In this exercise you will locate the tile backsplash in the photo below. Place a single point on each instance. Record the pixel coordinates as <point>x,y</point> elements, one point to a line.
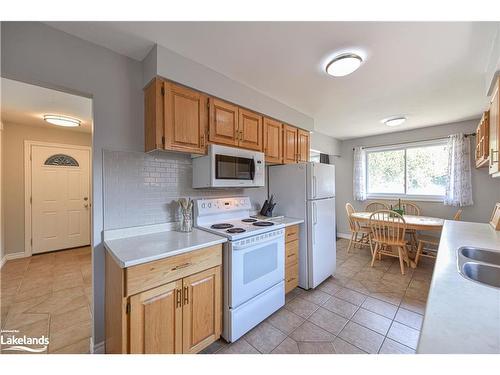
<point>142,189</point>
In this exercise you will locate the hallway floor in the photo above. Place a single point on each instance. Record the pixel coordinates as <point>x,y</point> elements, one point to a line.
<point>360,310</point>
<point>49,294</point>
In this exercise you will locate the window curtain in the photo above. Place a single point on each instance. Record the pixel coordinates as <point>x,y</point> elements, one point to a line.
<point>458,186</point>
<point>359,177</point>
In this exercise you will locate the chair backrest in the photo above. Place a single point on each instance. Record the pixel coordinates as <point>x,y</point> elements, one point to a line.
<point>411,208</point>
<point>387,227</point>
<point>458,215</point>
<point>353,225</point>
<point>376,206</point>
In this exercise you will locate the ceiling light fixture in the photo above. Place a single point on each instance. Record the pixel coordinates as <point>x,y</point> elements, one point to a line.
<point>62,120</point>
<point>394,121</point>
<point>344,64</point>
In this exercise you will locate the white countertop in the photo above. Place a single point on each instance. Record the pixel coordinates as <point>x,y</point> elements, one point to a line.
<point>461,316</point>
<point>133,246</point>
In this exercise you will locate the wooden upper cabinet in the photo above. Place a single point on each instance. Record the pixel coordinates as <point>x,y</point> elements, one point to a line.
<point>303,145</point>
<point>153,115</point>
<point>273,141</point>
<point>482,141</point>
<point>185,119</point>
<point>250,130</point>
<point>202,310</point>
<point>494,166</point>
<point>223,123</point>
<point>289,144</point>
<point>156,320</point>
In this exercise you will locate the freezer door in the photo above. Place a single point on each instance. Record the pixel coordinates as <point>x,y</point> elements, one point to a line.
<point>321,181</point>
<point>321,240</point>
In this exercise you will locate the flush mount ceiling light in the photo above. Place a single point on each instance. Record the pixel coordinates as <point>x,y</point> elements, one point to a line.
<point>62,120</point>
<point>394,121</point>
<point>344,64</point>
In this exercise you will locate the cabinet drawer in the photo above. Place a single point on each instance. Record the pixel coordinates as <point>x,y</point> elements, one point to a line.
<point>291,233</point>
<point>291,277</point>
<point>152,274</point>
<point>291,253</point>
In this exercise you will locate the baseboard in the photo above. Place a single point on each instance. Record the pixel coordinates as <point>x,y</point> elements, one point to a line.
<point>97,348</point>
<point>11,256</point>
<point>347,236</point>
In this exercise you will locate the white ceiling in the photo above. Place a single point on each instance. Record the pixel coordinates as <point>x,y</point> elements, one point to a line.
<point>434,73</point>
<point>26,104</point>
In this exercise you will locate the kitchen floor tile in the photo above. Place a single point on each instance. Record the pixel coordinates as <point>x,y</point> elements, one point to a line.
<point>289,346</point>
<point>239,347</point>
<point>414,305</point>
<point>301,307</point>
<point>311,332</point>
<point>343,347</point>
<point>316,296</point>
<point>362,337</point>
<point>330,286</point>
<point>316,348</point>
<point>340,307</point>
<point>265,337</point>
<point>375,322</point>
<point>404,335</point>
<point>328,320</point>
<point>409,318</point>
<point>393,347</point>
<point>285,320</point>
<point>351,296</point>
<point>380,307</point>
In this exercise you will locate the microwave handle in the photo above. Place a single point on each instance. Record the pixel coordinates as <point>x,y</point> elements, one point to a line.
<point>252,169</point>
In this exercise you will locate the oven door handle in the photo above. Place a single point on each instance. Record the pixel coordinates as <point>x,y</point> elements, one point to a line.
<point>254,244</point>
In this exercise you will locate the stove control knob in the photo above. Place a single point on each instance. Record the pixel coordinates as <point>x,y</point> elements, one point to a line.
<point>203,205</point>
<point>209,205</point>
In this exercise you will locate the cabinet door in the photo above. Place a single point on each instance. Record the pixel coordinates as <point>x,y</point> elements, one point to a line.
<point>250,130</point>
<point>202,310</point>
<point>156,320</point>
<point>303,145</point>
<point>273,141</point>
<point>223,123</point>
<point>289,144</point>
<point>185,119</point>
<point>153,115</point>
<point>494,130</point>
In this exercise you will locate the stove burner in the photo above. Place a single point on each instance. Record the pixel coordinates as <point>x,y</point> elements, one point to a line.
<point>263,224</point>
<point>222,226</point>
<point>236,230</point>
<point>249,220</point>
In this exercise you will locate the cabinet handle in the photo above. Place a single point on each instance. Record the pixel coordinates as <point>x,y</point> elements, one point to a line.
<point>293,278</point>
<point>290,255</point>
<point>202,141</point>
<point>186,295</point>
<point>180,266</point>
<point>179,297</point>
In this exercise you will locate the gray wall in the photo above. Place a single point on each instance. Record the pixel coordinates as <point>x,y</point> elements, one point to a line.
<point>166,63</point>
<point>36,53</point>
<point>142,189</point>
<point>486,190</point>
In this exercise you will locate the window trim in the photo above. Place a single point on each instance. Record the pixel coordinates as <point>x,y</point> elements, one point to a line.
<point>397,147</point>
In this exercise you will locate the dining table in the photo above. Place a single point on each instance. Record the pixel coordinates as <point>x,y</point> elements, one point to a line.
<point>422,223</point>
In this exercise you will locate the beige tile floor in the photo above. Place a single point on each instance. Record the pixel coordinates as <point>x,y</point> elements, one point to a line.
<point>49,294</point>
<point>360,310</point>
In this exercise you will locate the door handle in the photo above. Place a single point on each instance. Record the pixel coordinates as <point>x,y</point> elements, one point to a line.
<point>179,297</point>
<point>315,186</point>
<point>186,295</point>
<point>86,205</point>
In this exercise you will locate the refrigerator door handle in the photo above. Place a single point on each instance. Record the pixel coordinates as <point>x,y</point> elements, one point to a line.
<point>315,187</point>
<point>315,221</point>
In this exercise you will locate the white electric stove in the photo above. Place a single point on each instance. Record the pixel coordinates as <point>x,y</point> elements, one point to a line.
<point>253,260</point>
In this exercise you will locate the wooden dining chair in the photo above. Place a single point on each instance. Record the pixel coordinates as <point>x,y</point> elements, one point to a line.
<point>411,208</point>
<point>388,234</point>
<point>360,235</point>
<point>428,245</point>
<point>376,206</point>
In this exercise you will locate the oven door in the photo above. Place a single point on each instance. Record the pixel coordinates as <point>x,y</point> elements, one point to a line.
<point>255,266</point>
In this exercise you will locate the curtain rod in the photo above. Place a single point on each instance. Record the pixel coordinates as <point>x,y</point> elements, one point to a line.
<point>423,140</point>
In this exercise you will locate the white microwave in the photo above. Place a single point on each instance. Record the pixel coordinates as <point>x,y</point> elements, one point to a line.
<point>226,167</point>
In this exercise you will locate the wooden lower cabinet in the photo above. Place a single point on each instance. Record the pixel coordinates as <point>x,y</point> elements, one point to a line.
<point>181,315</point>
<point>291,258</point>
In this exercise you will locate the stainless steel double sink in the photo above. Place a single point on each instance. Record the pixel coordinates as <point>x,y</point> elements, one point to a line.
<point>480,265</point>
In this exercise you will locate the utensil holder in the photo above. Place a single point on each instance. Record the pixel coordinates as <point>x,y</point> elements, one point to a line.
<point>186,224</point>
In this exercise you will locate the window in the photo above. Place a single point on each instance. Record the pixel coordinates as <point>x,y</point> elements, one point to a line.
<point>413,171</point>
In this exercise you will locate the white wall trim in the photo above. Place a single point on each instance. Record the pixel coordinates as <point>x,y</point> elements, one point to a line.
<point>347,236</point>
<point>11,256</point>
<point>27,186</point>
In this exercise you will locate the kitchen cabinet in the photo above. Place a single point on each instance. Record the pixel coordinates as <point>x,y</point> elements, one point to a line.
<point>172,305</point>
<point>482,141</point>
<point>175,118</point>
<point>494,136</point>
<point>303,145</point>
<point>250,130</point>
<point>223,123</point>
<point>273,141</point>
<point>289,144</point>
<point>291,257</point>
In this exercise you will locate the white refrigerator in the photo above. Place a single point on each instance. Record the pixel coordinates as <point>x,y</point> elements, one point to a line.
<point>307,191</point>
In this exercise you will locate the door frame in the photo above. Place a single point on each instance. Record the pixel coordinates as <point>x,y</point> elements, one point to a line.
<point>28,188</point>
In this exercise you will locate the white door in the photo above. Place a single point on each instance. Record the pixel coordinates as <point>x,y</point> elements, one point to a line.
<point>322,248</point>
<point>60,209</point>
<point>321,180</point>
